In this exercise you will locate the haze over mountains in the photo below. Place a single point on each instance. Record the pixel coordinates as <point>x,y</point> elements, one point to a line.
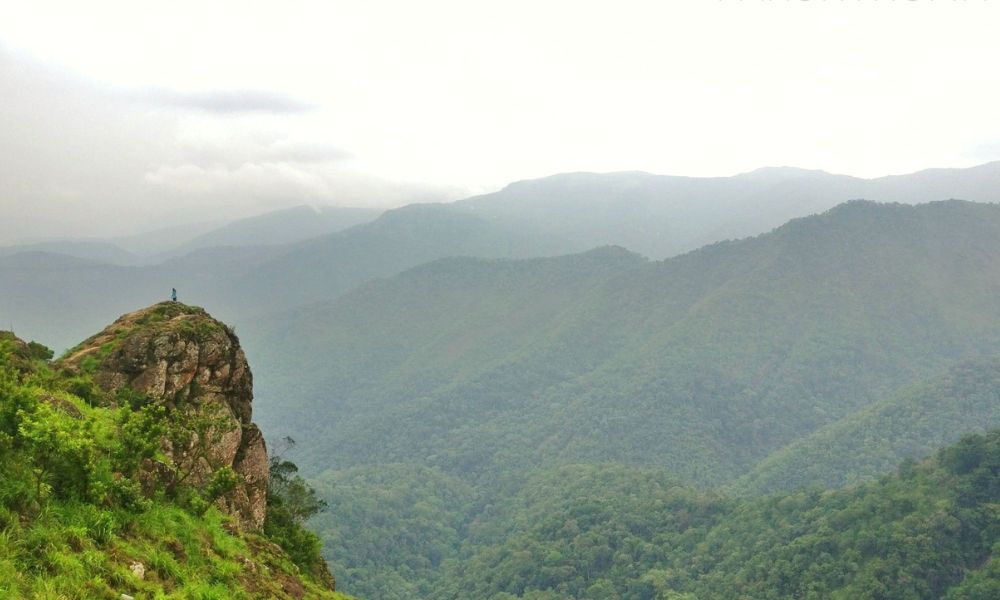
<point>602,366</point>
<point>660,216</point>
<point>703,364</point>
<point>272,228</point>
<point>653,215</point>
<point>824,352</point>
<point>278,227</point>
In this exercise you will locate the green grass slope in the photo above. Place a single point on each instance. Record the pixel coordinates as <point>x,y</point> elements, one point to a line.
<point>78,521</point>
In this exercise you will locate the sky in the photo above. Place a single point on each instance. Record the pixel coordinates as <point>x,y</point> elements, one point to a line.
<point>118,117</point>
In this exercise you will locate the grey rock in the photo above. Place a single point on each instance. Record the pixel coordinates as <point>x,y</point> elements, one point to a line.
<point>182,357</point>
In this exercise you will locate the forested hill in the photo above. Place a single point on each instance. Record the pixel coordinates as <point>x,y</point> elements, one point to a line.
<point>704,364</point>
<point>611,531</point>
<point>928,532</point>
<point>908,424</point>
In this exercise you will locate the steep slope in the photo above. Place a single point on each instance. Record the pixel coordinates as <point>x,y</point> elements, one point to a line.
<point>425,329</point>
<point>909,424</point>
<point>704,364</point>
<point>131,466</point>
<point>180,356</point>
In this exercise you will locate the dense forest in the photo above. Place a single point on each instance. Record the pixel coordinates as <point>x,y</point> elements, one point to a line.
<point>822,354</point>
<point>759,418</point>
<point>704,365</point>
<point>927,531</point>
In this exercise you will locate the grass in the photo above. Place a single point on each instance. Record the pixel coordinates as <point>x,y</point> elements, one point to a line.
<point>67,552</point>
<point>71,525</point>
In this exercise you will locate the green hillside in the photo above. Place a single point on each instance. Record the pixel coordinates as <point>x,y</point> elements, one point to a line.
<point>394,532</point>
<point>704,364</point>
<point>930,531</point>
<point>548,427</point>
<point>231,268</point>
<point>602,531</point>
<point>909,424</point>
<point>729,366</point>
<point>95,505</point>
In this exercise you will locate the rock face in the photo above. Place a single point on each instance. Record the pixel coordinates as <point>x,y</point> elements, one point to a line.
<point>180,356</point>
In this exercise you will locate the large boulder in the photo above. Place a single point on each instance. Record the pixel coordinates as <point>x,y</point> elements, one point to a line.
<point>180,356</point>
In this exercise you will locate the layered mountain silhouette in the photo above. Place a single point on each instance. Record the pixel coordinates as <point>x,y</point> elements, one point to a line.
<point>243,269</point>
<point>704,364</point>
<point>561,368</point>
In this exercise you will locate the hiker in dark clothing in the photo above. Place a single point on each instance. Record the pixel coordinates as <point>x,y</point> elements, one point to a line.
<point>173,294</point>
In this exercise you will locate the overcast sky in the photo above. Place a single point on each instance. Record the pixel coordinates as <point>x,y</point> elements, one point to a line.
<point>118,116</point>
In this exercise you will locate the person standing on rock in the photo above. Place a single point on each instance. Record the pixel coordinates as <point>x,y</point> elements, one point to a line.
<point>173,294</point>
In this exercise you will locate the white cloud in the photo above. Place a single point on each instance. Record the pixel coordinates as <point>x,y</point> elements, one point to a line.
<point>476,94</point>
<point>269,180</point>
<point>80,158</point>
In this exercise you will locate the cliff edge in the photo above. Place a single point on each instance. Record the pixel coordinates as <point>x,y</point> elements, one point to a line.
<point>181,357</point>
<point>132,468</point>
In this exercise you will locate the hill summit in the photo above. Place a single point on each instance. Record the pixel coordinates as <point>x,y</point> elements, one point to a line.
<point>180,356</point>
<point>132,468</point>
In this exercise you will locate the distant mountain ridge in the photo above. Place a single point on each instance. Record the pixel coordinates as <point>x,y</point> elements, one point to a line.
<point>563,214</point>
<point>661,216</point>
<point>703,364</point>
<point>285,226</point>
<point>104,252</point>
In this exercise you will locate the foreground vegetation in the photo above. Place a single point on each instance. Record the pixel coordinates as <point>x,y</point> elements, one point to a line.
<point>79,520</point>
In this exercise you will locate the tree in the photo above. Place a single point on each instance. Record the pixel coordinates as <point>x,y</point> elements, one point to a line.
<point>290,503</point>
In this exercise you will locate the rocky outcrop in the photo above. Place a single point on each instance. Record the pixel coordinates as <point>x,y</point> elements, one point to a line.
<point>180,356</point>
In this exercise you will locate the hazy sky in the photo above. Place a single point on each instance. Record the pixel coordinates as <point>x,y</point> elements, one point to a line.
<point>116,116</point>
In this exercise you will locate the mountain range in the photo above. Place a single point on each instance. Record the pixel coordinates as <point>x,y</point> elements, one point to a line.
<point>244,270</point>
<point>703,364</point>
<point>603,385</point>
